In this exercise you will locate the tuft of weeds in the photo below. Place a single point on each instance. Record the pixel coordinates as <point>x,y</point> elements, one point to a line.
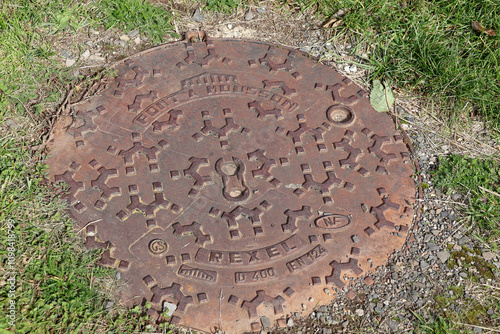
<point>479,180</point>
<point>437,325</point>
<point>430,47</point>
<point>32,76</point>
<point>222,6</point>
<point>128,15</point>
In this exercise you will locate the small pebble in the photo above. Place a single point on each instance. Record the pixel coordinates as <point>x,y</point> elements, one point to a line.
<point>360,312</point>
<point>70,62</point>
<point>424,265</point>
<point>197,17</point>
<point>230,26</point>
<point>289,323</point>
<point>86,54</point>
<point>96,58</point>
<point>65,54</point>
<point>261,10</point>
<point>249,15</point>
<point>266,323</point>
<point>488,256</point>
<point>443,256</point>
<point>169,308</point>
<point>137,40</point>
<point>133,33</point>
<point>125,38</point>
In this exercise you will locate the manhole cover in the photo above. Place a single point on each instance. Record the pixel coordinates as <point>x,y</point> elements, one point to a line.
<point>237,180</point>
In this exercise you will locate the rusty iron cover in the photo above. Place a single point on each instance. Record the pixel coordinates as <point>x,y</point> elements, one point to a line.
<point>235,179</point>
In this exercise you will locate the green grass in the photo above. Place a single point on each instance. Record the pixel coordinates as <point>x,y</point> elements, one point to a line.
<point>438,325</point>
<point>29,28</point>
<point>479,180</point>
<point>428,47</point>
<point>223,6</point>
<point>152,20</point>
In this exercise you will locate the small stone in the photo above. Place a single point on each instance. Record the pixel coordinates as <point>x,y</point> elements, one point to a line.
<point>488,256</point>
<point>123,44</point>
<point>95,32</point>
<point>118,275</point>
<point>65,54</point>
<point>490,311</point>
<point>96,58</point>
<point>419,285</point>
<point>108,305</point>
<point>456,196</point>
<point>393,325</point>
<point>266,323</point>
<point>355,239</point>
<point>197,17</point>
<point>249,15</point>
<point>261,10</point>
<point>323,308</point>
<point>432,246</point>
<point>463,275</point>
<point>86,54</point>
<point>230,26</point>
<point>137,40</point>
<point>70,62</point>
<point>360,312</point>
<point>478,330</point>
<point>125,38</point>
<point>327,291</point>
<point>443,256</point>
<point>289,323</point>
<point>424,265</point>
<point>169,308</point>
<point>354,68</point>
<point>311,299</point>
<point>133,33</point>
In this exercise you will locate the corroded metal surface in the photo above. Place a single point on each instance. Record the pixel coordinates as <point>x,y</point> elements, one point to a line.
<point>235,179</point>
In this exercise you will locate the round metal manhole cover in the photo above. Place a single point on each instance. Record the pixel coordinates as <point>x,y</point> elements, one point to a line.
<point>235,179</point>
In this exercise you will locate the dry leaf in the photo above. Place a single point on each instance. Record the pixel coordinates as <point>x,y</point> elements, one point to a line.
<point>333,23</point>
<point>490,32</point>
<point>478,27</point>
